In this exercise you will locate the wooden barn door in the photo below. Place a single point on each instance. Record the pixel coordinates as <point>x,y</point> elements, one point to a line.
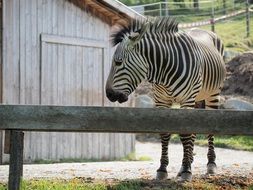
<point>72,71</point>
<point>71,74</point>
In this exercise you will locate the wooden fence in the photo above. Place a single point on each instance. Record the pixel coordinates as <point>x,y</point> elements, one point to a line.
<point>18,118</point>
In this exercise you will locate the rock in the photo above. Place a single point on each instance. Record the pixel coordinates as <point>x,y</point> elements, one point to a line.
<point>228,55</point>
<point>237,104</point>
<point>144,101</point>
<point>145,88</point>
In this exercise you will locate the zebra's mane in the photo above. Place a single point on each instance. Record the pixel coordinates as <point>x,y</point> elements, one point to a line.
<point>157,25</point>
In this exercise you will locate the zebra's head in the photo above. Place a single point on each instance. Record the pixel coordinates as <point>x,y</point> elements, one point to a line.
<point>128,67</point>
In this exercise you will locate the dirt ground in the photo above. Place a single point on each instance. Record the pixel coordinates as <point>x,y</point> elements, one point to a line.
<point>239,80</point>
<point>235,168</point>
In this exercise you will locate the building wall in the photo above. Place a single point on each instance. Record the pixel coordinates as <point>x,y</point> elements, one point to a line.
<point>55,53</point>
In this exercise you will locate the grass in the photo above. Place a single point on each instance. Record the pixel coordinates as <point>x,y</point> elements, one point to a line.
<point>232,142</point>
<point>73,184</point>
<point>144,158</point>
<point>76,184</point>
<point>233,34</point>
<point>231,31</point>
<point>199,182</point>
<point>133,157</point>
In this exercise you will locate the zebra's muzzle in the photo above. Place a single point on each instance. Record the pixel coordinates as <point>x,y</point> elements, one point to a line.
<point>114,96</point>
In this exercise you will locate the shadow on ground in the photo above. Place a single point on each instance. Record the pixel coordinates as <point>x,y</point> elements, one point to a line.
<point>199,182</point>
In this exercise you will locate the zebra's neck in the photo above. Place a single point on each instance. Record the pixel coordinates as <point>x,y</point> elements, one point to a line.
<point>168,57</point>
<point>157,51</point>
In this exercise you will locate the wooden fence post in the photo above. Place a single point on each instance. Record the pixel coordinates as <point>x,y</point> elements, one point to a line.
<point>212,18</point>
<point>247,19</point>
<point>16,159</point>
<point>7,139</point>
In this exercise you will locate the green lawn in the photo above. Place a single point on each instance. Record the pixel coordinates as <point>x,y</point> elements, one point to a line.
<point>231,31</point>
<point>73,184</point>
<point>233,142</point>
<point>233,34</point>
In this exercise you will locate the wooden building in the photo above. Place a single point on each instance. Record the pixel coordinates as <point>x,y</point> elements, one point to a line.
<point>57,52</point>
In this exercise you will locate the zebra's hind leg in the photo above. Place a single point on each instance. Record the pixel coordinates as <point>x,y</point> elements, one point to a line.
<point>211,165</point>
<point>164,161</point>
<point>211,103</point>
<point>185,173</point>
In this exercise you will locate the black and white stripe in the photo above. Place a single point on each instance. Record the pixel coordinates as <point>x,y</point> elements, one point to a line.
<point>184,68</point>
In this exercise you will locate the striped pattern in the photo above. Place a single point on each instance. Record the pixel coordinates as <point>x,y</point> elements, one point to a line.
<point>184,68</point>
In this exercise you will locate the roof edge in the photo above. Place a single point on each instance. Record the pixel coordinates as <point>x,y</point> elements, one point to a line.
<point>123,8</point>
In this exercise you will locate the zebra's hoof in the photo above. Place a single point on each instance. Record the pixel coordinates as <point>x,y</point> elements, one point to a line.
<point>211,168</point>
<point>184,177</point>
<point>160,175</point>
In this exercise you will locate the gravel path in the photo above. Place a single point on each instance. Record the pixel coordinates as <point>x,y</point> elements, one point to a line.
<point>228,161</point>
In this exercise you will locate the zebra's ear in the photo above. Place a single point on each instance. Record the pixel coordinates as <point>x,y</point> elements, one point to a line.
<point>136,36</point>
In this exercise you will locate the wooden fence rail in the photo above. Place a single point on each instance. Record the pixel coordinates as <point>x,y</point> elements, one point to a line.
<point>129,120</point>
<point>18,118</point>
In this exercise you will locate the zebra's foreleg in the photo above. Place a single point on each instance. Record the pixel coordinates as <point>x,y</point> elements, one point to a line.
<point>164,161</point>
<point>185,173</point>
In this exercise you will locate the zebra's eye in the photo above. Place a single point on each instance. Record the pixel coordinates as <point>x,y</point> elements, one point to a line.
<point>133,36</point>
<point>118,63</point>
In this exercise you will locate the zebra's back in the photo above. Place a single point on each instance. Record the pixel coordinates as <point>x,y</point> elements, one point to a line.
<point>207,51</point>
<point>208,38</point>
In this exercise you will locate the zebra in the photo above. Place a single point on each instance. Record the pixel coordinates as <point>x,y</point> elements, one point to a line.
<point>182,68</point>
